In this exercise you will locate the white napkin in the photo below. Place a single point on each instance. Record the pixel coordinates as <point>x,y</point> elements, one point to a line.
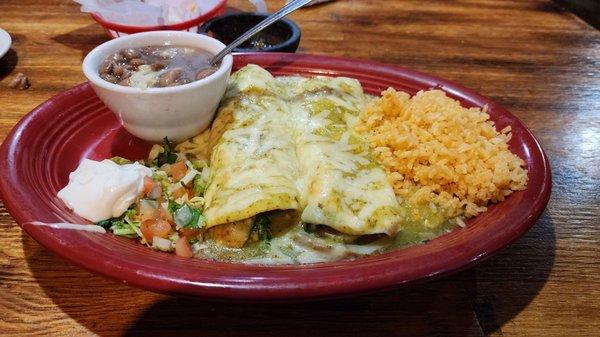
<point>156,12</point>
<point>147,12</point>
<point>261,6</point>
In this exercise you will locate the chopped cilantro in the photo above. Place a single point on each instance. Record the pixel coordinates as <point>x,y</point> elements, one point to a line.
<point>123,225</point>
<point>308,228</point>
<point>167,156</point>
<point>173,206</point>
<point>193,223</point>
<point>106,224</point>
<point>262,228</point>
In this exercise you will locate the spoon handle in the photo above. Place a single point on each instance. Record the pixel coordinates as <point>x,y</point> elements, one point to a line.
<point>285,10</point>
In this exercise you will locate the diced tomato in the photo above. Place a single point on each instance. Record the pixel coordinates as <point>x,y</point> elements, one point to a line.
<point>178,193</point>
<point>155,227</point>
<point>182,247</point>
<point>161,212</point>
<point>156,192</point>
<point>178,170</point>
<point>165,214</point>
<point>189,232</point>
<point>146,213</point>
<point>149,184</point>
<point>181,191</point>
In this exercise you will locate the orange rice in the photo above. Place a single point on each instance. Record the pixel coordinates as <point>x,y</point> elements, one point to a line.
<point>437,152</point>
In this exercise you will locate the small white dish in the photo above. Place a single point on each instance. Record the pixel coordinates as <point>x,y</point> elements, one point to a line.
<point>177,112</point>
<point>5,42</point>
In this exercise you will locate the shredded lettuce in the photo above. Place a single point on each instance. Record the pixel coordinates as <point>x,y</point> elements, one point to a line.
<point>126,231</point>
<point>199,185</point>
<point>123,225</point>
<point>201,221</point>
<point>199,164</point>
<point>120,160</point>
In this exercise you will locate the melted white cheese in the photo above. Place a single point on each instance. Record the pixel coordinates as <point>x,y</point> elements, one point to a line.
<point>297,246</point>
<point>340,185</point>
<point>99,190</point>
<point>254,164</point>
<point>144,77</point>
<point>291,138</point>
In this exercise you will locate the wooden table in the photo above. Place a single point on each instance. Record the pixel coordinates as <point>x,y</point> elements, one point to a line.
<point>536,59</point>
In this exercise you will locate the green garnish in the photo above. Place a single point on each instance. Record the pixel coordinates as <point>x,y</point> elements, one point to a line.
<point>126,231</point>
<point>123,225</point>
<point>120,160</point>
<point>187,217</point>
<point>106,224</point>
<point>199,185</point>
<point>308,228</point>
<point>201,220</point>
<point>262,227</point>
<point>199,164</point>
<point>119,227</point>
<point>167,156</point>
<point>173,206</point>
<point>193,223</point>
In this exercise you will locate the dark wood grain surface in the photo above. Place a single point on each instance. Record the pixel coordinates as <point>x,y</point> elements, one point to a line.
<point>588,10</point>
<point>536,59</point>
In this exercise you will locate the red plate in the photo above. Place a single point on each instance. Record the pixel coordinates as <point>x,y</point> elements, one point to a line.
<point>48,143</point>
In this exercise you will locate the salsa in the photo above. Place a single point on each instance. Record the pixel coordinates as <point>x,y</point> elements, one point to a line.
<point>168,215</point>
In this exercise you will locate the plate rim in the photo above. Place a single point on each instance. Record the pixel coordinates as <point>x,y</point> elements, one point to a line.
<point>258,291</point>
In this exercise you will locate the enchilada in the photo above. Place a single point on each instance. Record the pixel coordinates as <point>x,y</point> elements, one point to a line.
<point>341,185</point>
<point>288,144</point>
<point>253,161</point>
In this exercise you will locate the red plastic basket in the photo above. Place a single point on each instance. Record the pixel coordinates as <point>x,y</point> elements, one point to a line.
<point>114,30</point>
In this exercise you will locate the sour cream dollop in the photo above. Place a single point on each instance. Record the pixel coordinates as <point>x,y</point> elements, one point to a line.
<point>99,190</point>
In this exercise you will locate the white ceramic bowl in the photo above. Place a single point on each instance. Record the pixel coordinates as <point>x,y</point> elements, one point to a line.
<point>5,42</point>
<point>177,112</point>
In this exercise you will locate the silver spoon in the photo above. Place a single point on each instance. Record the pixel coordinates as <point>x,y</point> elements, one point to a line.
<point>285,10</point>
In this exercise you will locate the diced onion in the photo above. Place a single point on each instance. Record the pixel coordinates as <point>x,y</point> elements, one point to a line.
<point>197,247</point>
<point>174,187</point>
<point>205,173</point>
<point>148,209</point>
<point>155,192</point>
<point>161,244</point>
<point>182,216</point>
<point>189,176</point>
